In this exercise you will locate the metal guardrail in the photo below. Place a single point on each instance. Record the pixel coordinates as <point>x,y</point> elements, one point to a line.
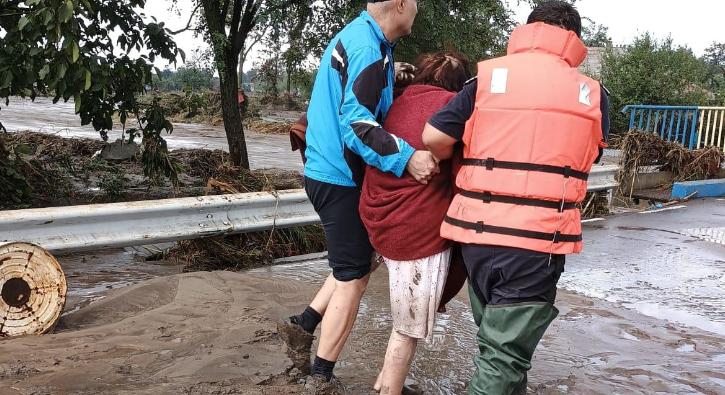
<point>98,226</point>
<point>691,126</point>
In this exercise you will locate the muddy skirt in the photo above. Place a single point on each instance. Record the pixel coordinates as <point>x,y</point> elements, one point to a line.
<point>416,288</point>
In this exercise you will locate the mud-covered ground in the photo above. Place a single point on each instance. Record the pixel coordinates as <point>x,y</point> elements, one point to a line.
<point>641,312</point>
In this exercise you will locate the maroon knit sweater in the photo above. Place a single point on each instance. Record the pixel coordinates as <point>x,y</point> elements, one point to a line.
<point>402,216</point>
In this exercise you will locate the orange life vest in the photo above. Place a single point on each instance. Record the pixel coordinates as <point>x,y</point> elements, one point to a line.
<point>528,146</point>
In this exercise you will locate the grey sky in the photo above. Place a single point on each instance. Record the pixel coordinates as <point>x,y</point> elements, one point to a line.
<point>695,23</point>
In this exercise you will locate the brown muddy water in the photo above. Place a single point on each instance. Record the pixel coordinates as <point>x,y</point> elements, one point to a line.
<point>41,115</point>
<point>641,311</point>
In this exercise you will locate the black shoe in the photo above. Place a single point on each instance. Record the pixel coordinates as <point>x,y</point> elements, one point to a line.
<point>298,342</point>
<point>319,385</point>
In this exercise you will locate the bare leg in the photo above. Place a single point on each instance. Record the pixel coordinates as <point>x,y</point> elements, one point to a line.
<point>322,299</point>
<point>379,381</point>
<point>340,317</point>
<point>398,358</point>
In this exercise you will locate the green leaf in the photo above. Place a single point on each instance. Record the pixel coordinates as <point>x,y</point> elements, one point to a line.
<point>62,68</point>
<point>183,55</point>
<point>43,72</point>
<point>66,11</point>
<point>24,20</point>
<point>23,149</point>
<point>6,80</point>
<point>75,51</point>
<point>77,100</point>
<point>88,80</point>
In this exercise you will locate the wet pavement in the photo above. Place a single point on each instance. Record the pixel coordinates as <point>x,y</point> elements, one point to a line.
<point>668,264</point>
<point>265,151</point>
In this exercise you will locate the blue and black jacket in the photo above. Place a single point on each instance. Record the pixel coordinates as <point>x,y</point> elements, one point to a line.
<point>350,100</point>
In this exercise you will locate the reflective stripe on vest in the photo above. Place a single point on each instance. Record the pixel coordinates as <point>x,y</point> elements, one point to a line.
<point>528,146</point>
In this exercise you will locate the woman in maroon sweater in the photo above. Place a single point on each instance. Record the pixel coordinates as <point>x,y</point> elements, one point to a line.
<point>403,217</point>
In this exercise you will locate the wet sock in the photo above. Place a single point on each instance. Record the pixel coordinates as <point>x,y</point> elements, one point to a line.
<point>308,320</point>
<point>323,367</point>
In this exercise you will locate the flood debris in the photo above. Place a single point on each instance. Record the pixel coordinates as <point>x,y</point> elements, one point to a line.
<point>594,205</point>
<point>63,172</point>
<point>641,149</point>
<point>264,126</point>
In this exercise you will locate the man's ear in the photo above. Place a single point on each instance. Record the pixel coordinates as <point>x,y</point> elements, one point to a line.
<point>400,6</point>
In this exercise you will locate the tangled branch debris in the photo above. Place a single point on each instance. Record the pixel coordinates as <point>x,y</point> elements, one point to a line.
<point>648,149</point>
<point>263,126</point>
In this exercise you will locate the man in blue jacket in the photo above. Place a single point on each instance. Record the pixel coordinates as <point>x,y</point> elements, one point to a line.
<point>350,99</point>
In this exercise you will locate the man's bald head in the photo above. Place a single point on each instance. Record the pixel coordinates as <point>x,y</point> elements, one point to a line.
<point>395,17</point>
<point>381,6</point>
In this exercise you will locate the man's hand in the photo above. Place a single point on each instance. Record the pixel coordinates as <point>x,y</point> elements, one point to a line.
<point>423,166</point>
<point>404,73</point>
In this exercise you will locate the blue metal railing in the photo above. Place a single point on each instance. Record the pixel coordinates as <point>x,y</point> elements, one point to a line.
<point>672,123</point>
<point>691,126</point>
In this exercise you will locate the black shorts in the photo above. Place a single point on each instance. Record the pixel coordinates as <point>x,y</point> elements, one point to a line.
<point>505,275</point>
<point>348,245</point>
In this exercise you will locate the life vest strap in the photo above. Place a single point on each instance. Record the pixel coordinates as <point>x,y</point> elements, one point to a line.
<point>491,163</point>
<point>488,197</point>
<point>480,227</point>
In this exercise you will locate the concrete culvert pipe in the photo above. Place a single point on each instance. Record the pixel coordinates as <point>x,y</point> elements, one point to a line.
<point>32,290</point>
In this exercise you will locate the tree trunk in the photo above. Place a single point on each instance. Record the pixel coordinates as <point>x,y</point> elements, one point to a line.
<point>289,82</point>
<point>241,68</point>
<point>230,112</point>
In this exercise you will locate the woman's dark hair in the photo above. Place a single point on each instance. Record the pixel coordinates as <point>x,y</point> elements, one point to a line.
<point>557,13</point>
<point>448,70</point>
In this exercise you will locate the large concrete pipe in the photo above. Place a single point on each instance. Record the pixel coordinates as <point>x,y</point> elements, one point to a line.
<point>32,290</point>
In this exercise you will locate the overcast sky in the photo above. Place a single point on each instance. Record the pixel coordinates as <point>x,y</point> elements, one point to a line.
<point>695,23</point>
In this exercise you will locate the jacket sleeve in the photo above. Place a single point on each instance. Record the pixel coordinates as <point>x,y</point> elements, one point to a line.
<point>604,107</point>
<point>363,85</point>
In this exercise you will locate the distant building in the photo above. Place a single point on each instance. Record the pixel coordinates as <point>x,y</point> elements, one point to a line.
<point>592,65</point>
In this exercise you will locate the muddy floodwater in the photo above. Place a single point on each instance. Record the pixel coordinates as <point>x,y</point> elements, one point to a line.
<point>265,150</point>
<point>641,310</point>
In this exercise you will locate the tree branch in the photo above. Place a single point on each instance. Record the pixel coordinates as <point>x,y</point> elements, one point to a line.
<point>225,12</point>
<point>236,16</point>
<point>255,42</point>
<point>245,25</point>
<point>188,24</point>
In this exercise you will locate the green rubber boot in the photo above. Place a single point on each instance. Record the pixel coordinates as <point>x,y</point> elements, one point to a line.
<point>507,338</point>
<point>477,306</point>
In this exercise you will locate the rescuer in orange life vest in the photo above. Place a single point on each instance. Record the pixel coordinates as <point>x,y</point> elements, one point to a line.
<point>531,127</point>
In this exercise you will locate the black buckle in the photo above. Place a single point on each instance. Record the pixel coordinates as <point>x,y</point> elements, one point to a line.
<point>480,227</point>
<point>489,163</point>
<point>486,197</point>
<point>567,171</point>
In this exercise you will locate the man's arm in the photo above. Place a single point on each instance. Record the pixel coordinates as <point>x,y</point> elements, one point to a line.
<point>446,127</point>
<point>364,79</point>
<point>604,107</point>
<point>438,143</point>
